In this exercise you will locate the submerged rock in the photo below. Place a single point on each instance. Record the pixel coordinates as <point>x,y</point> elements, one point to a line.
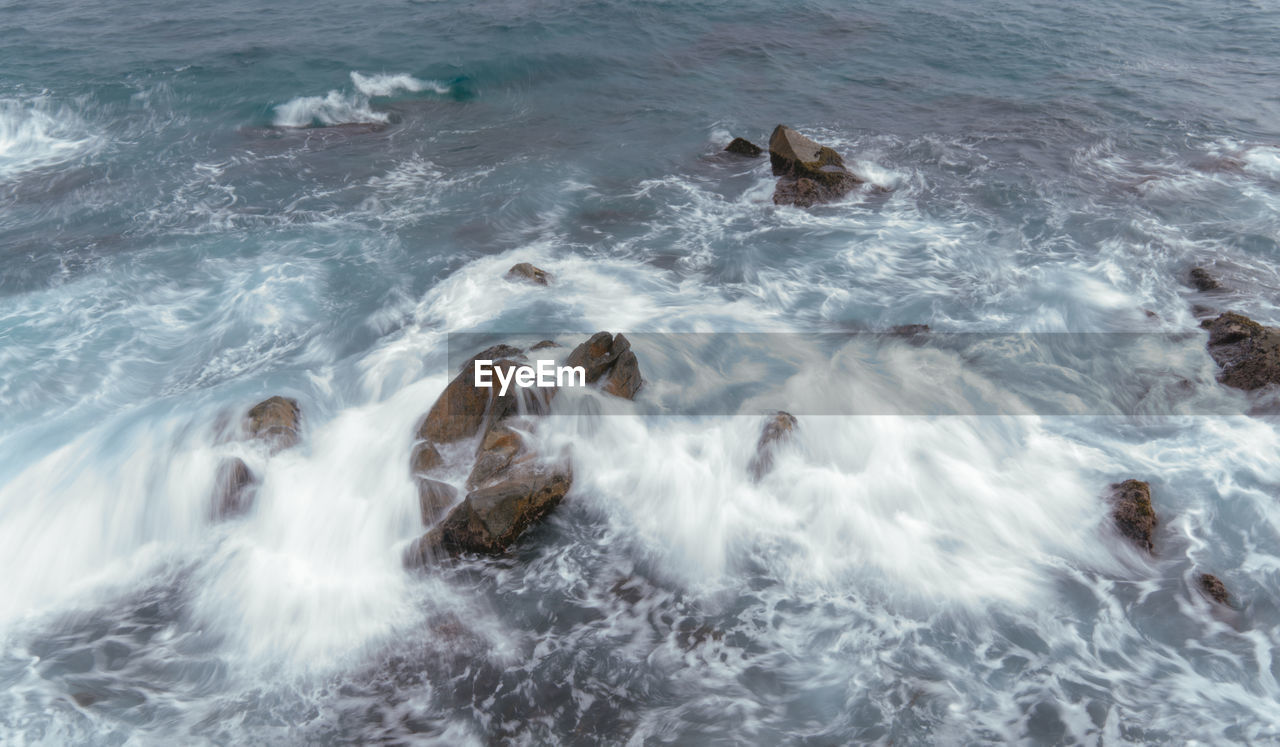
<point>434,499</point>
<point>1213,588</point>
<point>810,173</point>
<point>1247,352</point>
<point>604,355</point>
<point>909,330</point>
<point>545,344</point>
<point>779,428</point>
<point>526,271</point>
<point>275,421</point>
<point>1133,513</point>
<point>744,147</point>
<point>491,519</point>
<point>1203,280</point>
<point>232,488</point>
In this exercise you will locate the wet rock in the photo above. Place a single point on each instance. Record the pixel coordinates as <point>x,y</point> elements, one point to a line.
<point>779,428</point>
<point>491,519</point>
<point>1132,512</point>
<point>810,173</point>
<point>463,407</point>
<point>545,344</point>
<point>1213,588</point>
<point>1202,280</point>
<point>526,271</point>
<point>232,488</point>
<point>909,330</point>
<point>744,147</point>
<point>275,421</point>
<point>497,452</point>
<point>1247,352</point>
<point>426,457</point>
<point>603,354</point>
<point>434,499</point>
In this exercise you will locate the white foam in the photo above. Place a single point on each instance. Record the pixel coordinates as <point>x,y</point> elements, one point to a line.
<point>388,84</point>
<point>34,134</point>
<point>334,108</point>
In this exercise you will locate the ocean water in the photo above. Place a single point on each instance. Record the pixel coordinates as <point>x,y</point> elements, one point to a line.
<point>205,204</point>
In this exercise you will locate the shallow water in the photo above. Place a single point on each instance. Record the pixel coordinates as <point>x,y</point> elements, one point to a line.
<point>205,205</point>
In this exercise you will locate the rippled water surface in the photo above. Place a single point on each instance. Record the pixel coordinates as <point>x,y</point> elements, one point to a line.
<point>204,204</point>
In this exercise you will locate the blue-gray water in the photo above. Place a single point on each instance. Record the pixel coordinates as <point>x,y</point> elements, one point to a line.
<point>202,204</point>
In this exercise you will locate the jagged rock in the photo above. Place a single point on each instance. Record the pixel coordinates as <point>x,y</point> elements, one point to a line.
<point>1132,512</point>
<point>1247,352</point>
<point>545,344</point>
<point>779,428</point>
<point>275,421</point>
<point>1203,280</point>
<point>604,353</point>
<point>526,271</point>
<point>1213,588</point>
<point>426,457</point>
<point>232,488</point>
<point>744,147</point>
<point>810,173</point>
<point>497,452</point>
<point>462,407</point>
<point>490,519</point>
<point>434,499</point>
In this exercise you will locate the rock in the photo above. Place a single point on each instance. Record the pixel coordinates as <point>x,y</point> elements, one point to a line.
<point>744,147</point>
<point>1202,280</point>
<point>1132,512</point>
<point>526,271</point>
<point>545,344</point>
<point>490,519</point>
<point>434,499</point>
<point>463,407</point>
<point>909,330</point>
<point>1247,352</point>
<point>603,354</point>
<point>779,428</point>
<point>426,457</point>
<point>275,421</point>
<point>232,488</point>
<point>497,452</point>
<point>811,173</point>
<point>1213,588</point>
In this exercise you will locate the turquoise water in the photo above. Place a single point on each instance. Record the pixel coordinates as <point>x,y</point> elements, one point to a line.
<point>203,205</point>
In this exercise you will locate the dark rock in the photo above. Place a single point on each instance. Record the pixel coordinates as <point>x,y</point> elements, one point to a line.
<point>526,271</point>
<point>545,344</point>
<point>744,147</point>
<point>463,407</point>
<point>232,491</point>
<point>1213,588</point>
<point>779,428</point>
<point>497,452</point>
<point>84,699</point>
<point>603,354</point>
<point>426,457</point>
<point>811,173</point>
<point>434,499</point>
<point>275,421</point>
<point>909,330</point>
<point>490,519</point>
<point>1247,352</point>
<point>1132,512</point>
<point>1203,280</point>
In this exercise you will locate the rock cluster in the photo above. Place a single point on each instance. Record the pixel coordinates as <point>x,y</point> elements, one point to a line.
<point>275,422</point>
<point>809,173</point>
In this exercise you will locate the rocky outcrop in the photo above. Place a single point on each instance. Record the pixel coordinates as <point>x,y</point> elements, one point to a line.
<point>526,271</point>
<point>778,429</point>
<point>1247,352</point>
<point>490,519</point>
<point>1202,280</point>
<point>743,147</point>
<point>610,357</point>
<point>1214,589</point>
<point>809,173</point>
<point>275,421</point>
<point>1133,513</point>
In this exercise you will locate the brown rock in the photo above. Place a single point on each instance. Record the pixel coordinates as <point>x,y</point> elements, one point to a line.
<point>434,499</point>
<point>744,147</point>
<point>779,428</point>
<point>811,173</point>
<point>526,271</point>
<point>426,457</point>
<point>232,491</point>
<point>497,452</point>
<point>1213,588</point>
<point>1132,512</point>
<point>1247,352</point>
<point>545,344</point>
<point>1203,280</point>
<point>463,407</point>
<point>489,520</point>
<point>275,421</point>
<point>909,330</point>
<point>603,354</point>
